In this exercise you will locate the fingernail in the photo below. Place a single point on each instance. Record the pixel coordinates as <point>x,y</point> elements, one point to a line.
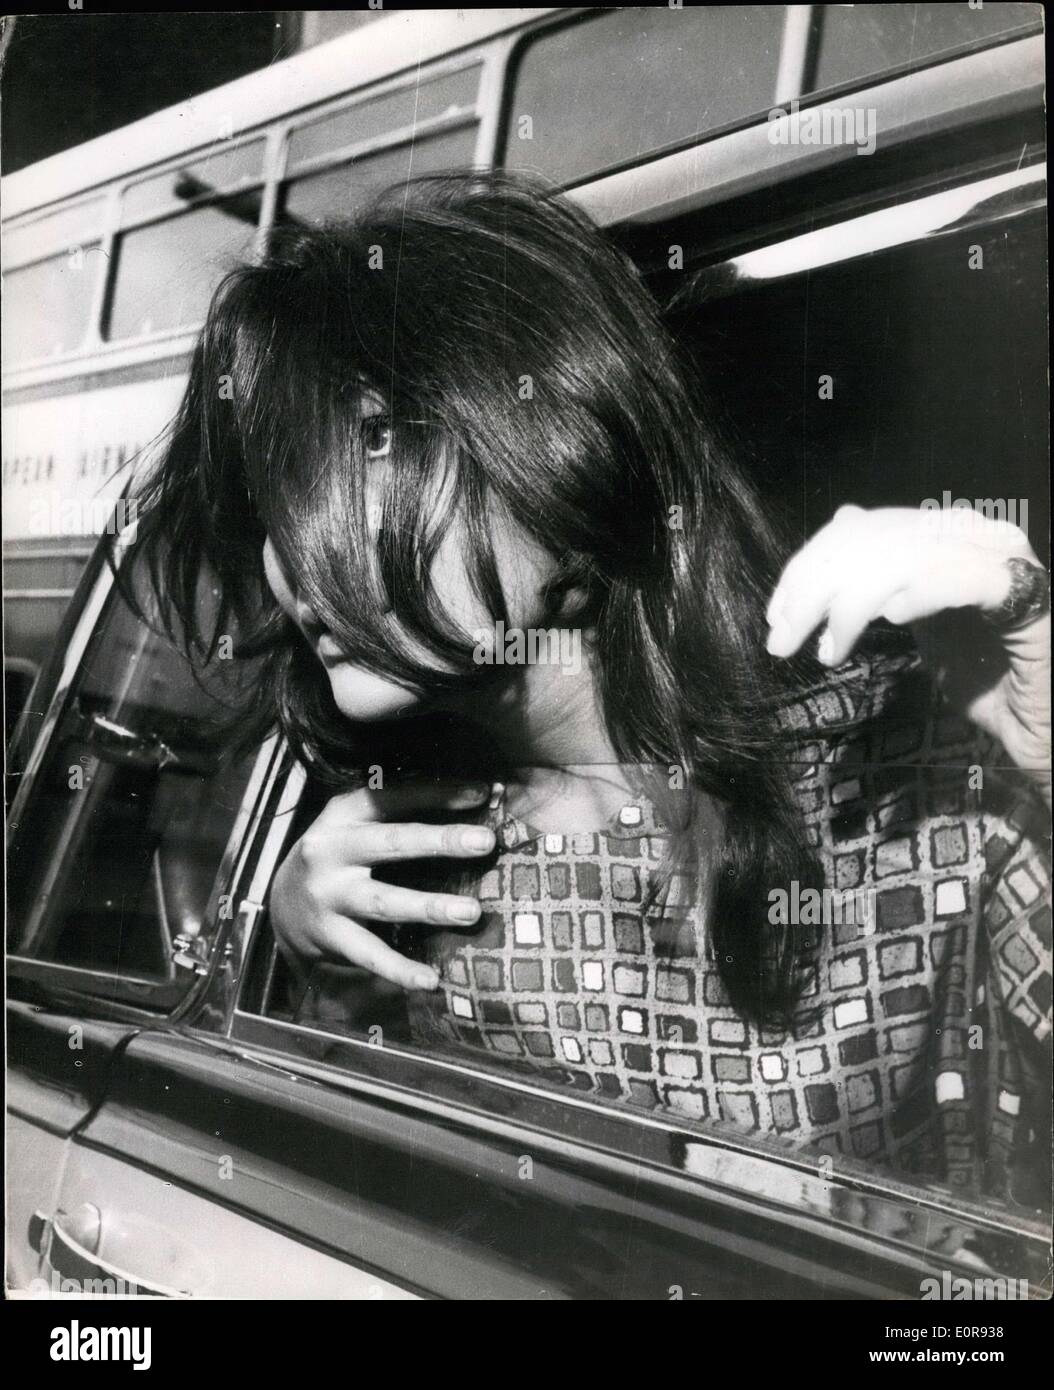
<point>825,647</point>
<point>465,911</point>
<point>779,642</point>
<point>476,837</point>
<point>426,979</point>
<point>472,792</point>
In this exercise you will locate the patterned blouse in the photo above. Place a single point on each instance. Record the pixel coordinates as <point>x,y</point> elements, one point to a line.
<point>921,1042</point>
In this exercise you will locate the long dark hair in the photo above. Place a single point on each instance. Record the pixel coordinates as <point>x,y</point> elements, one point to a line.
<point>516,348</point>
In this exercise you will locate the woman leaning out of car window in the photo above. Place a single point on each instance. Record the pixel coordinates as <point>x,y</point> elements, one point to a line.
<point>620,795</point>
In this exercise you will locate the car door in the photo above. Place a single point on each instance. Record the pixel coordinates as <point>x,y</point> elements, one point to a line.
<point>398,1170</point>
<point>252,1148</point>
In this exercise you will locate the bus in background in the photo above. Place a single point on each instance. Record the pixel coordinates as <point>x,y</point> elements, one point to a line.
<point>112,249</point>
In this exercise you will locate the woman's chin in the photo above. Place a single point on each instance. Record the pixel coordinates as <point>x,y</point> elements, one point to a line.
<point>368,698</point>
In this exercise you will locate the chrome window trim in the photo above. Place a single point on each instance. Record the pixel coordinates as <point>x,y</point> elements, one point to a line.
<point>215,1000</point>
<point>255,806</point>
<point>97,984</point>
<point>73,983</point>
<point>963,208</point>
<point>918,1224</point>
<point>86,624</point>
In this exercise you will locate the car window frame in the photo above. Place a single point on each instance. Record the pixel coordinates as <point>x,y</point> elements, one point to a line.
<point>74,985</point>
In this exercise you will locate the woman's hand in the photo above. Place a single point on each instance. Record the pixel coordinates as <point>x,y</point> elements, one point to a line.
<point>324,896</point>
<point>910,565</point>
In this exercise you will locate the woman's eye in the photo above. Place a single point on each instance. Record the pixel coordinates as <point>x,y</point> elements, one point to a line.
<point>376,435</point>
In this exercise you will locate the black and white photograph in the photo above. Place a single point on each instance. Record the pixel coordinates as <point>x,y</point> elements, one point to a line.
<point>526,626</point>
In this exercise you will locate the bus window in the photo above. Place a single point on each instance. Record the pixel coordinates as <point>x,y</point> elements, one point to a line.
<point>77,224</point>
<point>226,170</point>
<point>680,72</point>
<point>336,191</point>
<point>407,109</point>
<point>166,271</point>
<point>47,305</point>
<point>861,40</point>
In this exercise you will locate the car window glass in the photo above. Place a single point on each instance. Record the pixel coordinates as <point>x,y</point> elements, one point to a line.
<point>115,854</point>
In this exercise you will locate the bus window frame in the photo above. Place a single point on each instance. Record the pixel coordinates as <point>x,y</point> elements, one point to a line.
<point>54,245</point>
<point>174,206</point>
<point>800,44</point>
<point>398,135</point>
<point>497,54</point>
<point>275,136</point>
